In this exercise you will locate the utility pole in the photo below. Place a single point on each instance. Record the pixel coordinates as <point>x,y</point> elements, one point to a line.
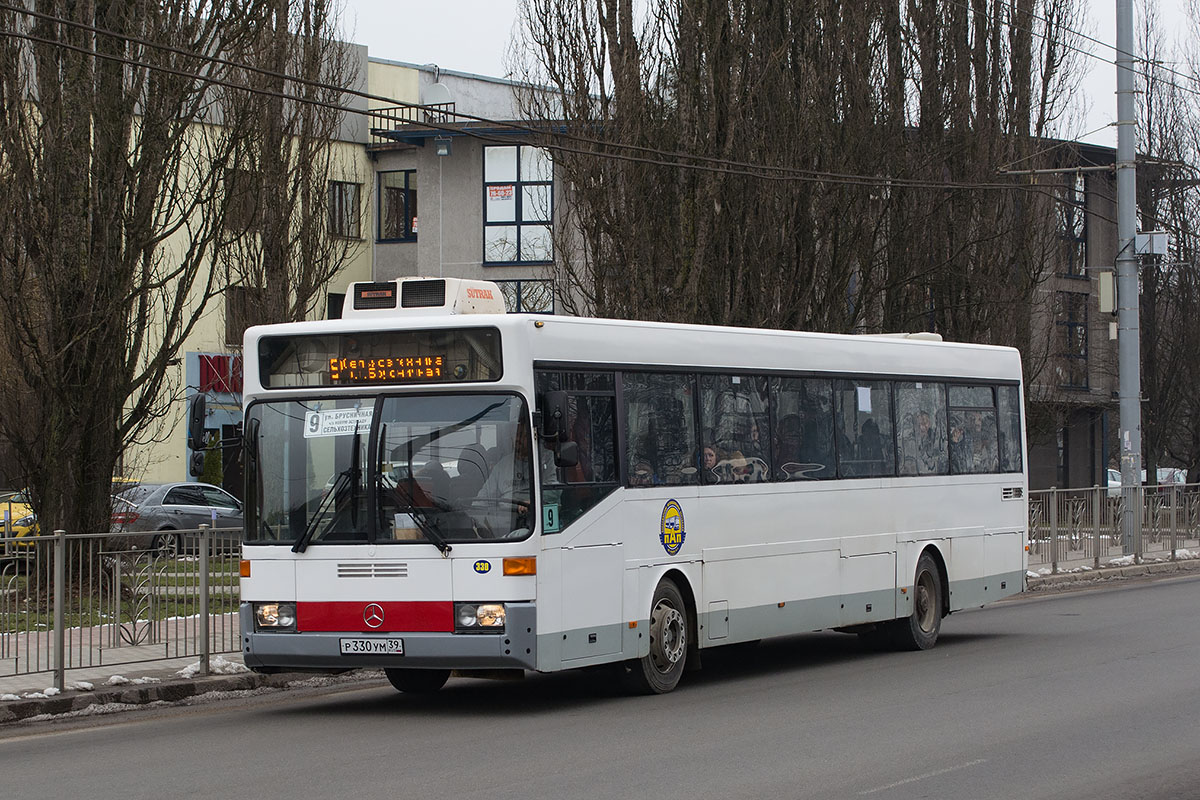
<point>1128,344</point>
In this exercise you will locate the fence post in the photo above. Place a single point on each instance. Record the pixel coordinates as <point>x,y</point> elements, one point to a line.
<point>1053,531</point>
<point>1139,522</point>
<point>1174,494</point>
<point>204,562</point>
<point>1097,507</point>
<point>60,591</point>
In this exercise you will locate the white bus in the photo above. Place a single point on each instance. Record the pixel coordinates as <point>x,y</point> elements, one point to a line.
<point>434,485</point>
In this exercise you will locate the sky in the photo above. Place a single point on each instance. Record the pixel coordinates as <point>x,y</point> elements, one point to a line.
<point>473,36</point>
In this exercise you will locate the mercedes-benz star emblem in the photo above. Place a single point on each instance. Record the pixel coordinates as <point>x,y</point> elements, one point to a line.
<point>373,615</point>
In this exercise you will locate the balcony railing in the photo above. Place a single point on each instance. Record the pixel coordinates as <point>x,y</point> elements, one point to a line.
<point>383,120</point>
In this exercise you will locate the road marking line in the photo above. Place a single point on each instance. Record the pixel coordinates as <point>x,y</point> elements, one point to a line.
<point>933,774</point>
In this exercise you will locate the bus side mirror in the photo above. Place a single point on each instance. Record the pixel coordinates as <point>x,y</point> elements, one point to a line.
<point>196,423</point>
<point>566,455</point>
<point>553,412</point>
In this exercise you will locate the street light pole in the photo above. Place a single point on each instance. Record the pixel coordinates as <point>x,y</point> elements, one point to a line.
<point>1128,298</point>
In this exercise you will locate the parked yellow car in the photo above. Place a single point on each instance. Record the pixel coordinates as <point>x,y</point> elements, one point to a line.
<point>22,522</point>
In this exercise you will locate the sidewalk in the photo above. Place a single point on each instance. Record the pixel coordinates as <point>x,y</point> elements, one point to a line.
<point>23,697</point>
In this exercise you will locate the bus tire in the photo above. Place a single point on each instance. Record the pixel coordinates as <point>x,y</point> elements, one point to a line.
<point>919,631</point>
<point>659,671</point>
<point>417,681</point>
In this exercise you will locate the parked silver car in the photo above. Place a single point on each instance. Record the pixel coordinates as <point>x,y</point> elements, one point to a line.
<point>174,512</point>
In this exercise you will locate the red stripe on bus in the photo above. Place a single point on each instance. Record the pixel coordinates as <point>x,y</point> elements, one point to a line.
<point>398,617</point>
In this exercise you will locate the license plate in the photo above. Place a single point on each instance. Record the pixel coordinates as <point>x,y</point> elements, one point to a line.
<point>372,647</point>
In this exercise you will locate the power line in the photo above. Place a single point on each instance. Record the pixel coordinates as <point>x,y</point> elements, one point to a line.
<point>702,163</point>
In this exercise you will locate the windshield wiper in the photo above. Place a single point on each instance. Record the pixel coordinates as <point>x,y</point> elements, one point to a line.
<point>428,527</point>
<point>346,479</point>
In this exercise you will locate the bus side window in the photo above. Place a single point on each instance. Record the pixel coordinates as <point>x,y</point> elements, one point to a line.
<point>733,418</point>
<point>802,435</point>
<point>590,422</point>
<point>660,433</point>
<point>921,428</point>
<point>973,433</point>
<point>1008,401</point>
<point>863,424</point>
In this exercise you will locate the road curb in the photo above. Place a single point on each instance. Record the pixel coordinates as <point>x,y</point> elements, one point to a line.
<point>1110,573</point>
<point>168,691</point>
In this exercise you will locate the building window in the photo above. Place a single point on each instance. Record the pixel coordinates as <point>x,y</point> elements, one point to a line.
<point>244,307</point>
<point>343,209</point>
<point>1072,221</point>
<point>518,205</point>
<point>1070,317</point>
<point>242,190</point>
<point>398,206</point>
<point>528,297</point>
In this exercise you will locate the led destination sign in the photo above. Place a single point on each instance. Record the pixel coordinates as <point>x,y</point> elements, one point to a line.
<point>380,358</point>
<point>387,370</point>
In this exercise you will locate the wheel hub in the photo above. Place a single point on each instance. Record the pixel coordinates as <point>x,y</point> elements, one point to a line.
<point>925,602</point>
<point>668,636</point>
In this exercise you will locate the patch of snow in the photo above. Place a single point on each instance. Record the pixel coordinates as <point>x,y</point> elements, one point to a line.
<point>216,666</point>
<point>81,686</point>
<point>5,697</point>
<point>1123,561</point>
<point>51,691</point>
<point>1044,571</point>
<point>121,680</point>
<point>35,695</point>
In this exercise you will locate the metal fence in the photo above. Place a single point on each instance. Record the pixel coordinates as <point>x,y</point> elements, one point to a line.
<point>69,601</point>
<point>87,600</point>
<point>1073,529</point>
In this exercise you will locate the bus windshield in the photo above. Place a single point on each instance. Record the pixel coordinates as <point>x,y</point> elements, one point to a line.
<point>432,468</point>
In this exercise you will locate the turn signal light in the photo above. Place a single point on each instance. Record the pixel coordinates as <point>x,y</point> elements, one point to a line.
<point>244,568</point>
<point>520,566</point>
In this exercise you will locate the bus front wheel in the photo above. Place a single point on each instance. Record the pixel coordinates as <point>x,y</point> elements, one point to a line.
<point>659,671</point>
<point>417,681</point>
<point>919,631</point>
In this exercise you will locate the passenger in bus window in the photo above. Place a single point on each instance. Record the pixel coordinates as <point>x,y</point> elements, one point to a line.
<point>708,464</point>
<point>983,442</point>
<point>960,460</point>
<point>930,457</point>
<point>790,450</point>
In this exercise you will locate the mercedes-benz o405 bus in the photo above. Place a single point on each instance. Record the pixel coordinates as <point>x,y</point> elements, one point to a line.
<point>435,485</point>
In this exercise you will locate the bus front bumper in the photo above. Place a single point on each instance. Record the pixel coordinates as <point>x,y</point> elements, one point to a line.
<point>515,648</point>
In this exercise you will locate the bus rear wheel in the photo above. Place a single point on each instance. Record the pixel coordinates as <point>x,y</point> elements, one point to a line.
<point>417,681</point>
<point>659,671</point>
<point>919,631</point>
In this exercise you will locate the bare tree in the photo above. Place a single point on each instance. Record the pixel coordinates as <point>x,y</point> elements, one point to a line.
<point>297,221</point>
<point>1169,200</point>
<point>815,165</point>
<point>113,154</point>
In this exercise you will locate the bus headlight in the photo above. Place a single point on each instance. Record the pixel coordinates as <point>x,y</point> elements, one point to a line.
<point>275,616</point>
<point>479,617</point>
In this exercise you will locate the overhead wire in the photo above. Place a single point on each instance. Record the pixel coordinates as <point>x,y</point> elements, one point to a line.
<point>702,163</point>
<point>680,159</point>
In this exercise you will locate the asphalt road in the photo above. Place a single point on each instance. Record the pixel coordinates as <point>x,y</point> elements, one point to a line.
<point>1080,695</point>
